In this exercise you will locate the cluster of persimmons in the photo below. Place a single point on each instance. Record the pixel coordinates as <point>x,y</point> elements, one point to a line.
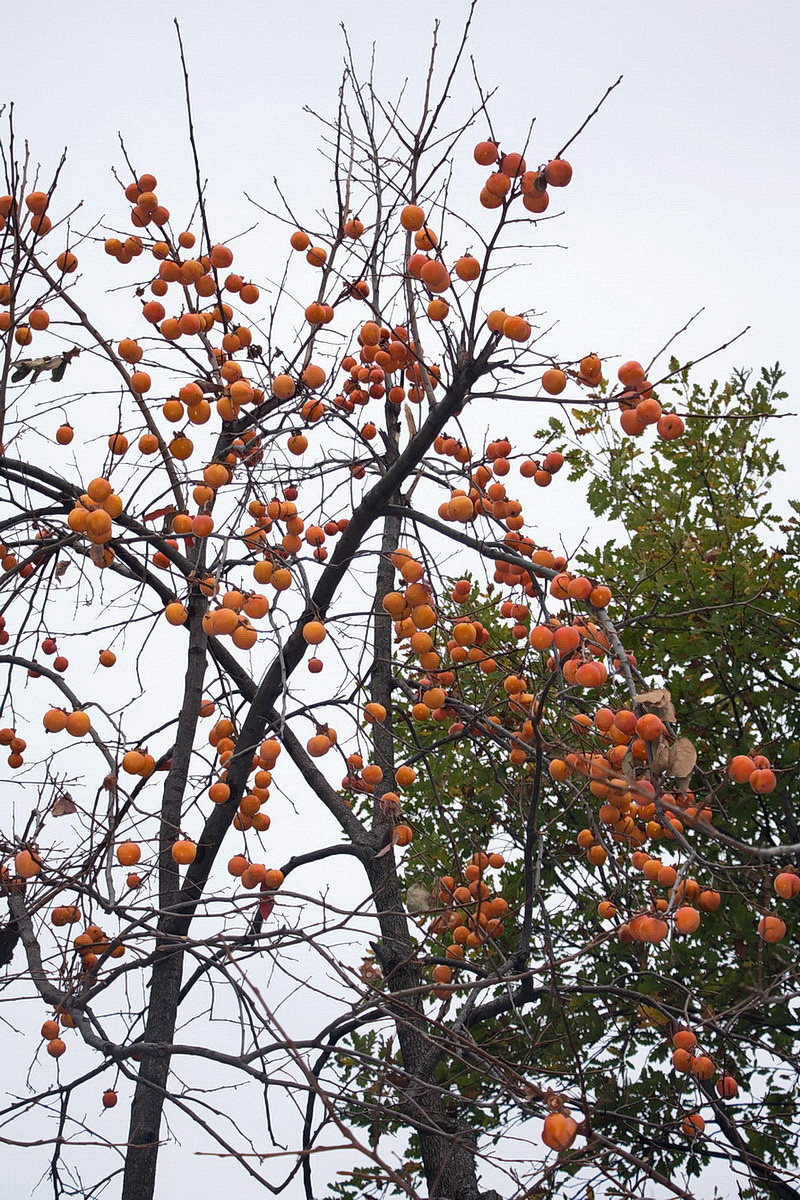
<point>194,302</point>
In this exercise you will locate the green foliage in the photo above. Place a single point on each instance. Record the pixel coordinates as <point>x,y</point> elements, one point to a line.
<point>708,573</point>
<point>704,576</point>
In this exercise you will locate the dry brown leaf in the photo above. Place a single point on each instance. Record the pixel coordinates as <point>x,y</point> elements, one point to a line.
<point>682,758</point>
<point>627,768</point>
<point>160,512</point>
<point>63,805</point>
<point>659,757</point>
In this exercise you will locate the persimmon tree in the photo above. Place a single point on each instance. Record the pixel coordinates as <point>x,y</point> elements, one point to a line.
<point>291,693</point>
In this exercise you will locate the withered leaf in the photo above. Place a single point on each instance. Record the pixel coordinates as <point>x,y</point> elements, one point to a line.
<point>418,898</point>
<point>682,758</point>
<point>660,756</point>
<point>167,511</point>
<point>63,805</point>
<point>658,702</point>
<point>628,768</point>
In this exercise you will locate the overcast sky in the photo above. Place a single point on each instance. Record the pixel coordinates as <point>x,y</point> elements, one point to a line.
<point>685,193</point>
<point>686,184</point>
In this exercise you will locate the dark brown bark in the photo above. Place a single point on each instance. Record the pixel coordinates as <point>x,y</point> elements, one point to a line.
<point>152,1082</point>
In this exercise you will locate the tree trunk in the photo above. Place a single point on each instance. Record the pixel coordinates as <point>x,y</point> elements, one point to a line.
<point>139,1179</point>
<point>151,1086</point>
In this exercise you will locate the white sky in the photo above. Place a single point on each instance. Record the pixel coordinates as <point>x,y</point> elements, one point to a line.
<point>686,184</point>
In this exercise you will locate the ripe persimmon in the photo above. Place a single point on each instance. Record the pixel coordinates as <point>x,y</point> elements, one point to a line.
<point>183,851</point>
<point>559,1131</point>
<point>763,782</point>
<point>412,218</point>
<point>693,1125</point>
<point>631,374</point>
<point>490,200</point>
<point>133,762</point>
<point>55,720</point>
<point>740,768</point>
<point>517,329</point>
<point>402,835</point>
<point>314,633</point>
<point>140,382</point>
<point>709,900</point>
<point>702,1067</point>
<point>727,1087</point>
<point>687,919</point>
<point>554,381</point>
<point>176,613</point>
<point>498,185</point>
<point>435,276</point>
<point>27,864</point>
<point>670,426</point>
<point>485,153</point>
<point>649,727</point>
<point>682,1060</point>
<point>771,928</point>
<point>318,745</point>
<point>536,201</point>
<point>787,885</point>
<point>467,268</point>
<point>313,376</point>
<point>426,239</point>
<point>558,172</point>
<point>220,256</point>
<point>129,853</point>
<point>78,723</point>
